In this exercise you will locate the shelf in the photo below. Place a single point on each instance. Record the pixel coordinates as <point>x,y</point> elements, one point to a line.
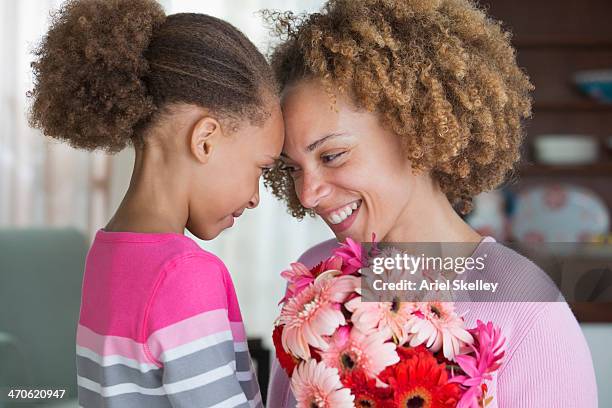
<point>592,312</point>
<point>603,169</point>
<point>578,106</point>
<point>562,42</point>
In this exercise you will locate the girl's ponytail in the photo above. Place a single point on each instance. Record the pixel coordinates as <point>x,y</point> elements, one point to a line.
<point>89,70</point>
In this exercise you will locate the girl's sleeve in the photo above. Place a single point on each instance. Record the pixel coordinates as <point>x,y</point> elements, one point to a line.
<point>552,366</point>
<point>202,354</point>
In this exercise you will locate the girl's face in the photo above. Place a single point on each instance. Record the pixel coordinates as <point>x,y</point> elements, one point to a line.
<point>346,167</point>
<point>228,183</point>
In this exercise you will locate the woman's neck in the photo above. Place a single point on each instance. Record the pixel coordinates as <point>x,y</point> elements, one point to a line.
<point>429,217</point>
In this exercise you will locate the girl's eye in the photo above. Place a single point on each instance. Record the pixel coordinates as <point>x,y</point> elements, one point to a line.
<point>328,158</point>
<point>288,168</point>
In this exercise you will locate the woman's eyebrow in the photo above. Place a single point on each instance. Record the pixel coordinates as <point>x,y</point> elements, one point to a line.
<point>311,147</point>
<point>322,140</point>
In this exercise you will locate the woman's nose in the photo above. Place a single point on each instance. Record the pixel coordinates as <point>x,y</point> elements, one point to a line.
<point>312,189</point>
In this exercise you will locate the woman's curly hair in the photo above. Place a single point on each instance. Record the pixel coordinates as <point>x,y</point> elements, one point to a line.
<point>440,73</point>
<point>107,69</point>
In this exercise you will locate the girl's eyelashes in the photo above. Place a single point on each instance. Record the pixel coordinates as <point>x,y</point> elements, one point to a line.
<point>289,168</point>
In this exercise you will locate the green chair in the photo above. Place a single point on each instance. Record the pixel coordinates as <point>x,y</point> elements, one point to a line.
<point>40,287</point>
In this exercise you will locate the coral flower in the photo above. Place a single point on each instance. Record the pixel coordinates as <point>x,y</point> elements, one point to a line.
<point>299,276</point>
<point>437,326</point>
<point>286,360</point>
<point>313,313</point>
<point>316,385</point>
<point>386,316</point>
<point>352,350</point>
<point>419,381</point>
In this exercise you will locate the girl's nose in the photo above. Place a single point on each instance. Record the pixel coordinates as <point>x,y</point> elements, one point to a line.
<point>254,201</point>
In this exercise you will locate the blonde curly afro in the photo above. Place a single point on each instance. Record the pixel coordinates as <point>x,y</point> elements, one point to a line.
<point>441,74</point>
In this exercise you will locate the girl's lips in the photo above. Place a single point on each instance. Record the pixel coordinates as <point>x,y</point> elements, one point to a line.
<point>346,224</point>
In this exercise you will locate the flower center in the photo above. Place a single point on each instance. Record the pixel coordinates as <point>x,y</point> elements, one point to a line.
<point>418,397</point>
<point>435,311</point>
<point>415,402</point>
<point>308,308</point>
<point>316,402</point>
<point>395,304</point>
<point>348,360</point>
<point>364,402</point>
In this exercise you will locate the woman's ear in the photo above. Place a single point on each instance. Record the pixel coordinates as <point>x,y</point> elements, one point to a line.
<point>205,135</point>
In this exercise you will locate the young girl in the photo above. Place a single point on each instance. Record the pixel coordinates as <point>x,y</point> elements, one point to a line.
<point>160,324</point>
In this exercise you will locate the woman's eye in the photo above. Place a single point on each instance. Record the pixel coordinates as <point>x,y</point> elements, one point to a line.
<point>327,158</point>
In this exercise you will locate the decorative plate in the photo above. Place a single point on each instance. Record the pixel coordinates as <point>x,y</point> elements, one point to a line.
<point>559,213</point>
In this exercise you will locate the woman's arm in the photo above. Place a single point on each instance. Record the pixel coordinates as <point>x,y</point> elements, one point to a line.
<point>551,366</point>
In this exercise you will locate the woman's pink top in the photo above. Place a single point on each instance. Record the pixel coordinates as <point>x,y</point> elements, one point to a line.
<point>547,363</point>
<point>160,326</point>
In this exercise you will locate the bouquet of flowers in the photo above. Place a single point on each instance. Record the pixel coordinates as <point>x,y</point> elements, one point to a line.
<point>340,351</point>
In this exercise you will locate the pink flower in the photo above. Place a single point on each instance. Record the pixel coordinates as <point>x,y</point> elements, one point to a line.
<point>316,385</point>
<point>436,325</point>
<point>350,252</point>
<point>314,313</point>
<point>389,317</point>
<point>353,350</point>
<point>299,276</point>
<point>488,351</point>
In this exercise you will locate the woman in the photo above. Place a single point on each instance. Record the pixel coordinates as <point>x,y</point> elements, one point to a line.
<point>396,114</point>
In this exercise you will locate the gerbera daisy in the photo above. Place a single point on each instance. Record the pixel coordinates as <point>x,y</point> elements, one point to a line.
<point>316,385</point>
<point>313,313</point>
<point>437,326</point>
<point>286,360</point>
<point>352,350</point>
<point>385,316</point>
<point>367,393</point>
<point>419,381</point>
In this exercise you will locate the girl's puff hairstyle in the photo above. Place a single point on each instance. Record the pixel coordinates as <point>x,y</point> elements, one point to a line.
<point>108,69</point>
<point>440,73</point>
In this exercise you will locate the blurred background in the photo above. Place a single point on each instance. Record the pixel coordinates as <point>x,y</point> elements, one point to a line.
<point>53,198</point>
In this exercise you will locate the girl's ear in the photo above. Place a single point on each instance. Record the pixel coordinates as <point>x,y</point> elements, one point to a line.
<point>205,135</point>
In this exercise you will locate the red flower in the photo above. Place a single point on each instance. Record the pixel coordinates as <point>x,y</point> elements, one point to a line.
<point>286,360</point>
<point>367,394</point>
<point>419,381</point>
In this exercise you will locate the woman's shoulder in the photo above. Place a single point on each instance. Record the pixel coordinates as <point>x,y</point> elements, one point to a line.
<point>519,278</point>
<point>318,252</point>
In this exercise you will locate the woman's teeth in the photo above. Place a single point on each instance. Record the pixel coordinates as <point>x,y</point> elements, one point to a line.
<point>342,214</point>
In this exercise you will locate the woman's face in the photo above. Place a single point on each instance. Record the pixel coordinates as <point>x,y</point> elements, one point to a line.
<point>346,167</point>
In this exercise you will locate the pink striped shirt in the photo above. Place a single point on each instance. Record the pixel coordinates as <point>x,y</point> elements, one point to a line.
<point>160,326</point>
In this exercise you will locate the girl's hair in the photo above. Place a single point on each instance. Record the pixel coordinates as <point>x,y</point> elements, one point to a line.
<point>107,69</point>
<point>440,73</point>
